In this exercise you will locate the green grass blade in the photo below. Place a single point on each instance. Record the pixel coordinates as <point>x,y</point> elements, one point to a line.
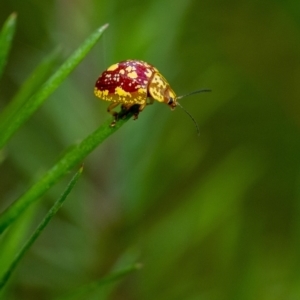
<point>14,238</point>
<point>57,205</point>
<point>71,158</point>
<point>82,292</point>
<point>35,80</point>
<point>6,37</point>
<point>49,87</point>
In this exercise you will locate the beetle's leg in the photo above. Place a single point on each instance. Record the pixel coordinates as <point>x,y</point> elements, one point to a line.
<point>142,106</point>
<point>114,113</point>
<point>137,111</point>
<point>150,101</point>
<point>128,108</point>
<point>111,107</point>
<point>125,108</point>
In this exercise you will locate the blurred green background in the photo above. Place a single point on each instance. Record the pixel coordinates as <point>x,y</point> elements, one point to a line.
<point>209,217</point>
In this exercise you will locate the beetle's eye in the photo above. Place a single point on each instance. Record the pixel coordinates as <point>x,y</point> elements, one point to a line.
<point>170,101</point>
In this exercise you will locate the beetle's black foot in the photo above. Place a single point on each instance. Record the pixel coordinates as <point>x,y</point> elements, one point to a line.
<point>135,116</point>
<point>135,110</point>
<point>125,111</point>
<point>123,114</point>
<point>116,118</point>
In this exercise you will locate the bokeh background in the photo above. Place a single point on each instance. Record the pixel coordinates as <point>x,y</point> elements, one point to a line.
<point>209,217</point>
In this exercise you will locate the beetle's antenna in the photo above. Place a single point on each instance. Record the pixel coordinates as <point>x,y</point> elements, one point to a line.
<point>196,124</point>
<point>189,94</point>
<point>192,93</point>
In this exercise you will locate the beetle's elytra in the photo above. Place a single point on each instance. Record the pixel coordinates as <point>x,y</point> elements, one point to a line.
<point>133,83</point>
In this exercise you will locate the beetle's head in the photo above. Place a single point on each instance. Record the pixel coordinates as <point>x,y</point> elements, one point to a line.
<point>172,103</point>
<point>170,98</point>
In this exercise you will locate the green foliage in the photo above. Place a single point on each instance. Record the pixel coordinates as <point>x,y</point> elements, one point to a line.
<point>84,291</point>
<point>6,37</point>
<point>22,113</point>
<point>210,217</point>
<point>20,110</point>
<point>17,112</point>
<point>35,80</point>
<point>72,157</point>
<point>54,209</point>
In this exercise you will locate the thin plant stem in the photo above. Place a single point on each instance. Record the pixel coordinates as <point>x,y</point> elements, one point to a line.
<point>57,205</point>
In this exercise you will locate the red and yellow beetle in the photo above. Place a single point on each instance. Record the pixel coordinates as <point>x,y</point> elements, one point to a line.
<point>134,84</point>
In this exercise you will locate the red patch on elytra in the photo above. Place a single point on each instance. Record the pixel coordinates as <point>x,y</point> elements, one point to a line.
<point>109,80</point>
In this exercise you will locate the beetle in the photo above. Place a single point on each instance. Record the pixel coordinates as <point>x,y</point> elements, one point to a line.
<point>134,84</point>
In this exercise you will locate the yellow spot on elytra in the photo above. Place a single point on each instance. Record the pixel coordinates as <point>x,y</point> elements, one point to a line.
<point>142,91</point>
<point>122,71</point>
<point>113,67</point>
<point>128,69</point>
<point>132,75</point>
<point>119,91</point>
<point>101,94</point>
<point>148,73</point>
